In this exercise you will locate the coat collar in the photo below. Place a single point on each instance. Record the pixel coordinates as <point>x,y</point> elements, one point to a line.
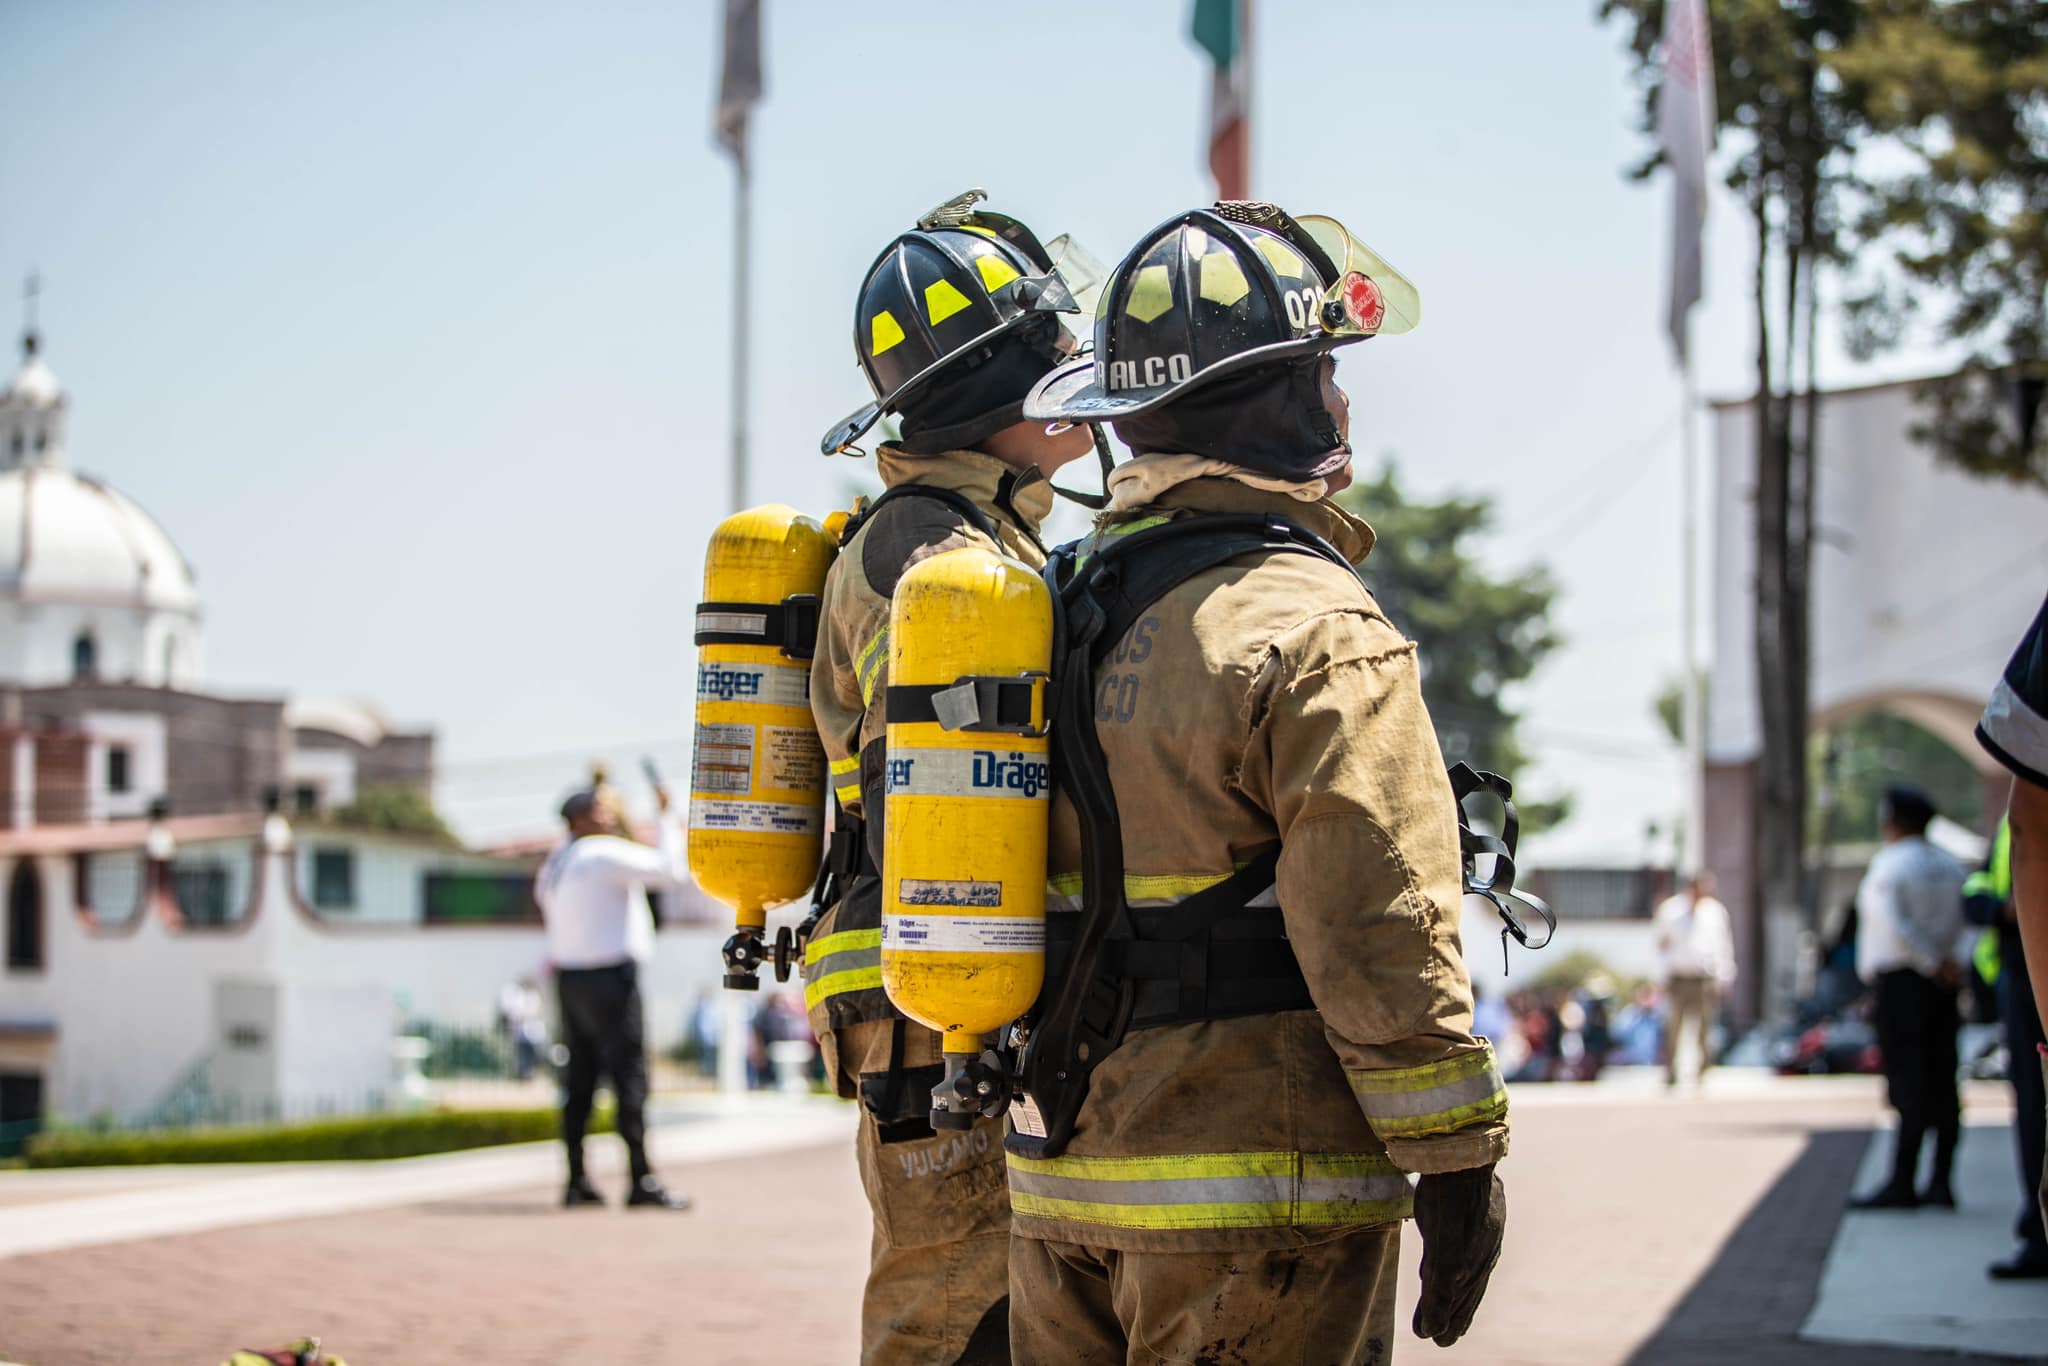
<point>1019,491</point>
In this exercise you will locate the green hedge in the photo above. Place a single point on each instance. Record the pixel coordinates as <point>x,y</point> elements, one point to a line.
<point>325,1140</point>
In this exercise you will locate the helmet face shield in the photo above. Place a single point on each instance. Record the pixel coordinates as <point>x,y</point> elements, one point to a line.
<point>1084,275</point>
<point>1369,298</point>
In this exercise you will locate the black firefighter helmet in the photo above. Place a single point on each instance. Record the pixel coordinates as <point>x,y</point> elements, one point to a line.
<point>1241,292</point>
<point>954,322</point>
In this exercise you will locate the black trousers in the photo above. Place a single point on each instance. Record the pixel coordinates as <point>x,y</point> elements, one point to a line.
<point>602,1026</point>
<point>1916,1031</point>
<point>2022,1024</point>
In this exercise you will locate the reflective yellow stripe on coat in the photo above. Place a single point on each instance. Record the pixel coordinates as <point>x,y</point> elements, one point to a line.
<point>842,770</point>
<point>1147,890</point>
<point>848,961</point>
<point>1438,1098</point>
<point>1211,1190</point>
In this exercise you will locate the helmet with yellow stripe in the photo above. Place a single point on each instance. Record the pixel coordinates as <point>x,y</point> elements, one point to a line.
<point>955,321</point>
<point>1210,338</point>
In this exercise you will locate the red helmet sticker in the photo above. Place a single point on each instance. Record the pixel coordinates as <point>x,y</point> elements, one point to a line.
<point>1363,302</point>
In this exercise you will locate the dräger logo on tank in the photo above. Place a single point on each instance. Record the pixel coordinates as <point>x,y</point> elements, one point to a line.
<point>776,685</point>
<point>1025,774</point>
<point>968,773</point>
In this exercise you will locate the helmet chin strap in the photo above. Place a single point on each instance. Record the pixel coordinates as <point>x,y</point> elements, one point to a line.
<point>1094,502</point>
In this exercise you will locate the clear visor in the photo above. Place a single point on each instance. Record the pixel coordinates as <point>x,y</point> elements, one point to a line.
<point>1370,297</point>
<point>1085,276</point>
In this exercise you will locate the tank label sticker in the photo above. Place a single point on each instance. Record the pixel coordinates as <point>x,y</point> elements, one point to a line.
<point>969,773</point>
<point>774,685</point>
<point>792,758</point>
<point>962,933</point>
<point>723,760</point>
<point>920,891</point>
<point>1025,1117</point>
<point>765,818</point>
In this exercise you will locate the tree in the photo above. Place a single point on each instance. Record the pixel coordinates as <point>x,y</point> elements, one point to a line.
<point>1792,115</point>
<point>1669,706</point>
<point>1476,635</point>
<point>1872,752</point>
<point>396,808</point>
<point>1961,86</point>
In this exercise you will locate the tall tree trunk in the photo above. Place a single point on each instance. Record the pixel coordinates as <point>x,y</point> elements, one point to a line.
<point>1805,487</point>
<point>1779,765</point>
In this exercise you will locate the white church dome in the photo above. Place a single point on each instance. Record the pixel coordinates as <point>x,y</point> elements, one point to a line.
<point>90,585</point>
<point>68,537</point>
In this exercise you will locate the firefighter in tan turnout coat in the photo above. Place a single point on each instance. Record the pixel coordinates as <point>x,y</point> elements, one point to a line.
<point>955,322</point>
<point>1232,1186</point>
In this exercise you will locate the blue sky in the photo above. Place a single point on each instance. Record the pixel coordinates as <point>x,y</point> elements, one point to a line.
<point>411,322</point>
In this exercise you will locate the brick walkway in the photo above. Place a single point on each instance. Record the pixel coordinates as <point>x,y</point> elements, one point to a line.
<point>1643,1230</point>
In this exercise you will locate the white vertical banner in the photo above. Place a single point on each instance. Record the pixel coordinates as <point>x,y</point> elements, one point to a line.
<point>1685,130</point>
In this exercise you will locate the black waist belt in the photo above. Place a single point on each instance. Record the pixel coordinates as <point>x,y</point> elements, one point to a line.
<point>1188,962</point>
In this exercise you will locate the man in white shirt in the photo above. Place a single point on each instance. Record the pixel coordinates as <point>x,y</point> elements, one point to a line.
<point>1909,917</point>
<point>593,895</point>
<point>1696,949</point>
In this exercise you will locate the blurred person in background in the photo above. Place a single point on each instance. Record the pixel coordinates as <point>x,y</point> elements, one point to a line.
<point>1492,1020</point>
<point>2015,730</point>
<point>1909,912</point>
<point>593,897</point>
<point>1596,1025</point>
<point>521,1014</point>
<point>1696,957</point>
<point>1639,1028</point>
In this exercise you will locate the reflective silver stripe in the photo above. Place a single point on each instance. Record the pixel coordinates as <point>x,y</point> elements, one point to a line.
<point>1435,1100</point>
<point>847,960</point>
<point>733,623</point>
<point>1204,1190</point>
<point>2016,728</point>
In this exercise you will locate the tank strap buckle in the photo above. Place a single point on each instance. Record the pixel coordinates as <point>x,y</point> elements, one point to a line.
<point>1011,706</point>
<point>1007,704</point>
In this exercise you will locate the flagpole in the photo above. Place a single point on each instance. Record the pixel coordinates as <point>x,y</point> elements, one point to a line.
<point>742,214</point>
<point>1244,56</point>
<point>1693,695</point>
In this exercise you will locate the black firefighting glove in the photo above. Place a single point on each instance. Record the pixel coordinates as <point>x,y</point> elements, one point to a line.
<point>1462,1217</point>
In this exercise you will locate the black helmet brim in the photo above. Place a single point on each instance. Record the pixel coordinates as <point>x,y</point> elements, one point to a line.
<point>1038,296</point>
<point>856,423</point>
<point>1073,394</point>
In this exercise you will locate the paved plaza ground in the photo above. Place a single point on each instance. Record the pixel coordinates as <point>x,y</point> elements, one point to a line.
<point>1644,1228</point>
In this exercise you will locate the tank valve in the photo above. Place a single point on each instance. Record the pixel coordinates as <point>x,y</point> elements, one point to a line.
<point>973,1088</point>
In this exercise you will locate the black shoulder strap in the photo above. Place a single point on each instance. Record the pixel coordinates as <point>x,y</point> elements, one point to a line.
<point>1122,578</point>
<point>1089,1009</point>
<point>952,498</point>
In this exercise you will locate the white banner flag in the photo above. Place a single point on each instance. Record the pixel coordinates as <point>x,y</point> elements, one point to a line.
<point>1685,127</point>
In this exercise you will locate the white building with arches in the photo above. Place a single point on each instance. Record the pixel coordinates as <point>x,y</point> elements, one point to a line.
<point>1924,579</point>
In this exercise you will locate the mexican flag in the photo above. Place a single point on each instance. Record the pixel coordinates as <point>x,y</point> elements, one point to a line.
<point>1222,28</point>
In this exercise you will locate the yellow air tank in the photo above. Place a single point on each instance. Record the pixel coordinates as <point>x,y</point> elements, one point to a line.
<point>757,779</point>
<point>963,870</point>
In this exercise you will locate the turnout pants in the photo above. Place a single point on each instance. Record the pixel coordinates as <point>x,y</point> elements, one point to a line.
<point>1916,1031</point>
<point>938,1271</point>
<point>601,1024</point>
<point>1322,1304</point>
<point>1690,1001</point>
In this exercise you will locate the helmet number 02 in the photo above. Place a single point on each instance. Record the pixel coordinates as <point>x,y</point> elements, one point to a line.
<point>1303,307</point>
